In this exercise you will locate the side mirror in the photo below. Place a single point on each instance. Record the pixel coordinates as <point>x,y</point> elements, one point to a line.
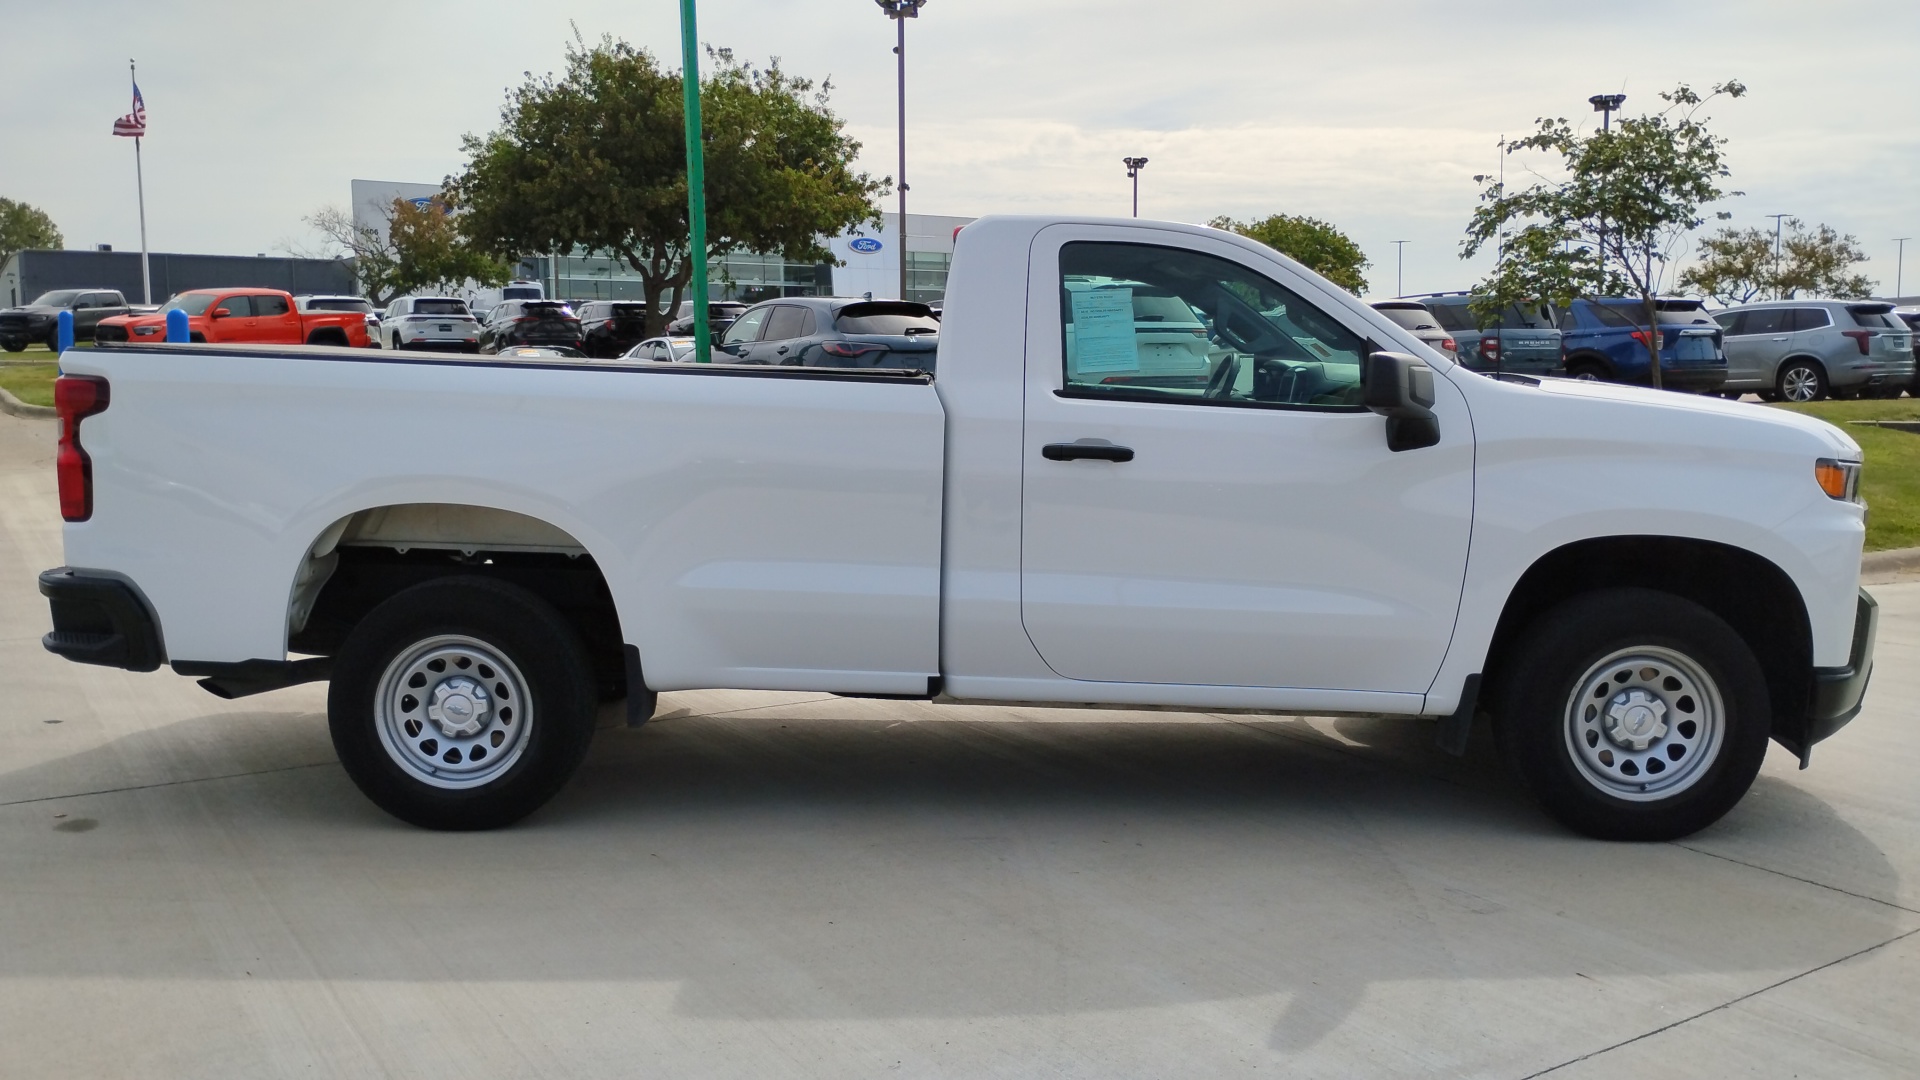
<point>1400,388</point>
<point>219,313</point>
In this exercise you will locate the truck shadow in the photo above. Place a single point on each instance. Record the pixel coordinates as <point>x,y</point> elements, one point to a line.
<point>839,859</point>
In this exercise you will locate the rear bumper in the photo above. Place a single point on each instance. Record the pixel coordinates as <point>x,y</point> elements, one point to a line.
<point>100,619</point>
<point>1837,692</point>
<point>1690,377</point>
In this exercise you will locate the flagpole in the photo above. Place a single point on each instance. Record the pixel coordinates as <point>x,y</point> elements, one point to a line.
<point>140,184</point>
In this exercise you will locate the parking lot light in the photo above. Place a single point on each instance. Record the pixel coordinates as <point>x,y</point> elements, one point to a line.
<point>900,11</point>
<point>1134,165</point>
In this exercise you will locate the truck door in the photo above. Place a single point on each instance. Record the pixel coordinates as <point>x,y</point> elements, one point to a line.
<point>1205,498</point>
<point>236,324</point>
<point>274,322</point>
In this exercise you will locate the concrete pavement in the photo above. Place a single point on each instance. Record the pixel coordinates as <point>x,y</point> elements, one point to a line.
<point>800,885</point>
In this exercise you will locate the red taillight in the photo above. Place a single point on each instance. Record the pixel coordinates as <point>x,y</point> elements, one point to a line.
<point>1448,345</point>
<point>1490,347</point>
<point>1862,338</point>
<point>76,397</point>
<point>1640,336</point>
<point>850,348</point>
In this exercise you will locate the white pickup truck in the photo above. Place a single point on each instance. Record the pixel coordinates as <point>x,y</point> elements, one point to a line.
<point>1160,465</point>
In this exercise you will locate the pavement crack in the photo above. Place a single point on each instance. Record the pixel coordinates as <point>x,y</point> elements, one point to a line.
<point>166,784</point>
<point>1796,877</point>
<point>1723,1005</point>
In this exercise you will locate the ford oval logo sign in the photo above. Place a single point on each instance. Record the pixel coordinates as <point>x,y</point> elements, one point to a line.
<point>866,245</point>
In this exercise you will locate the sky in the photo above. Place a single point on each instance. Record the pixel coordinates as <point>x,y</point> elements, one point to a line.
<point>1373,116</point>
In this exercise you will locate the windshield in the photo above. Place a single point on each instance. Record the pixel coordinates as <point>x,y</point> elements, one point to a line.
<point>57,298</point>
<point>439,307</point>
<point>191,303</point>
<point>547,309</point>
<point>1516,317</point>
<point>520,292</point>
<point>338,303</point>
<point>1454,317</point>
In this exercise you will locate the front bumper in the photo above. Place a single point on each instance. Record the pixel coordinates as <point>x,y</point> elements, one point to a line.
<point>100,619</point>
<point>1837,692</point>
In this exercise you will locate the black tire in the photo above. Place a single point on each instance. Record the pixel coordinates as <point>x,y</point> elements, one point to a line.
<point>384,748</point>
<point>14,344</point>
<point>397,346</point>
<point>1705,738</point>
<point>1801,381</point>
<point>53,339</point>
<point>1588,370</point>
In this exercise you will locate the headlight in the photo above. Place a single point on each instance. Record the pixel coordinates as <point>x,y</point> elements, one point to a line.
<point>1839,479</point>
<point>146,331</point>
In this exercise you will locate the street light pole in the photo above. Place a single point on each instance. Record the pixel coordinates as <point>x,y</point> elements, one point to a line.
<point>1399,268</point>
<point>1778,292</point>
<point>696,181</point>
<point>1900,266</point>
<point>900,11</point>
<point>1134,165</point>
<point>1605,104</point>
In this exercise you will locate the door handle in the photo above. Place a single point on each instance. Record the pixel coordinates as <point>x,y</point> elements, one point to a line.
<point>1780,338</point>
<point>782,350</point>
<point>1070,451</point>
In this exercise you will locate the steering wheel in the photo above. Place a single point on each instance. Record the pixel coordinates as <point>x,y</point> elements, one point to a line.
<point>1221,384</point>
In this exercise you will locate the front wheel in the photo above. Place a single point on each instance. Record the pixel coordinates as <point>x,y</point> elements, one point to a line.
<point>461,703</point>
<point>1632,714</point>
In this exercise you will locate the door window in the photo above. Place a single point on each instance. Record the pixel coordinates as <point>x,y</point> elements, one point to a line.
<point>746,328</point>
<point>1765,321</point>
<point>239,307</point>
<point>1142,322</point>
<point>1810,318</point>
<point>267,306</point>
<point>787,321</point>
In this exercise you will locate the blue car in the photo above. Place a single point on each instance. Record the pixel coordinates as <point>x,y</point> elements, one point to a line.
<point>1607,340</point>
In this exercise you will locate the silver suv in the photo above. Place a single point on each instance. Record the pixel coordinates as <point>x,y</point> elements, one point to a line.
<point>1804,350</point>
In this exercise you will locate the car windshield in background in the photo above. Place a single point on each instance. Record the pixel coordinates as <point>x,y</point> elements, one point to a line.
<point>439,307</point>
<point>548,309</point>
<point>57,298</point>
<point>628,311</point>
<point>345,304</point>
<point>521,293</point>
<point>895,319</point>
<point>191,303</point>
<point>1411,318</point>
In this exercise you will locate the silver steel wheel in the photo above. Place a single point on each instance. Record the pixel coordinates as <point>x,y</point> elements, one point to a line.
<point>453,712</point>
<point>1645,723</point>
<point>1800,383</point>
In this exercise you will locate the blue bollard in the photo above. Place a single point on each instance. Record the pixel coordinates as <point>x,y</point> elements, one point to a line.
<point>66,331</point>
<point>177,326</point>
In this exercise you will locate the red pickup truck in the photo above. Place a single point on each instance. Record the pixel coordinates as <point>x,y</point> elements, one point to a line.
<point>252,316</point>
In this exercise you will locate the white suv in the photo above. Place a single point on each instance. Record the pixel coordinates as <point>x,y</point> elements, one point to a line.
<point>430,322</point>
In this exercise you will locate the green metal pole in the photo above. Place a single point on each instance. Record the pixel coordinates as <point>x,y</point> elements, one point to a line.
<point>696,180</point>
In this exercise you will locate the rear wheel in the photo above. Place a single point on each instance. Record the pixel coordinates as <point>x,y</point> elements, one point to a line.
<point>461,703</point>
<point>53,339</point>
<point>1587,371</point>
<point>1632,714</point>
<point>1801,380</point>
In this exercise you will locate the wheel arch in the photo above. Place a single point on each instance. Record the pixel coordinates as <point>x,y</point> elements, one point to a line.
<point>1597,359</point>
<point>365,556</point>
<point>1750,592</point>
<point>327,335</point>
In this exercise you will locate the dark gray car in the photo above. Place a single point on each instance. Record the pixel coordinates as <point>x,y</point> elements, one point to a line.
<point>40,320</point>
<point>834,331</point>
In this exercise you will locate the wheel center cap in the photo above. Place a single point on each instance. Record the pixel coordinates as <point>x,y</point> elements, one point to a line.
<point>1635,718</point>
<point>460,707</point>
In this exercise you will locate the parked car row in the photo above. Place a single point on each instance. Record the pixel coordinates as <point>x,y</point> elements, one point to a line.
<point>1782,350</point>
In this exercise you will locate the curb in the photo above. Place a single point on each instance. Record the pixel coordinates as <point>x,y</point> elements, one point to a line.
<point>1888,562</point>
<point>13,406</point>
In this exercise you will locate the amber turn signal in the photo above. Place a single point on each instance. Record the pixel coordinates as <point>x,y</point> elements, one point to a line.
<point>1839,479</point>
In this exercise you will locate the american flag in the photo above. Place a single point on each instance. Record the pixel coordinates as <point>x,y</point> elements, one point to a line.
<point>135,122</point>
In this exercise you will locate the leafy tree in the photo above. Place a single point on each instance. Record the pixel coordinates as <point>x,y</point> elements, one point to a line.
<point>1313,243</point>
<point>596,159</point>
<point>421,249</point>
<point>24,227</point>
<point>1736,266</point>
<point>1631,193</point>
